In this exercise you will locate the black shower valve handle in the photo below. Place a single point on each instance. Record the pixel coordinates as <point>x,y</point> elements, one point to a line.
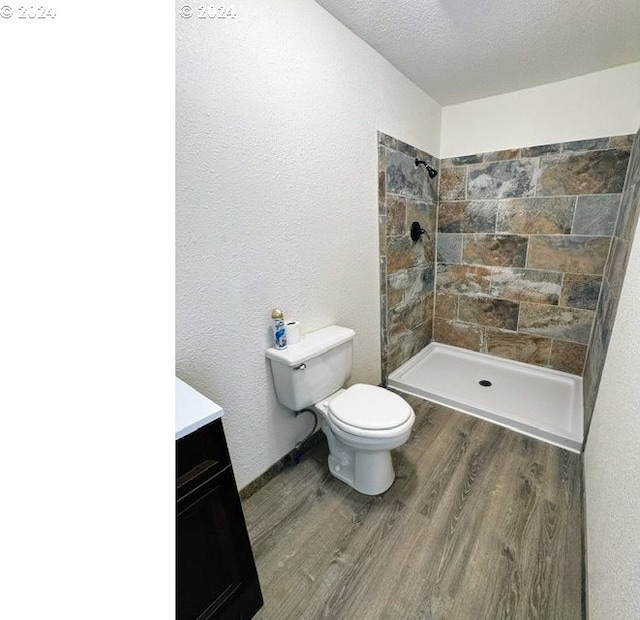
<point>417,230</point>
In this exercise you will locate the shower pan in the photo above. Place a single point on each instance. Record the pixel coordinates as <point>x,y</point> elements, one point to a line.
<point>539,402</point>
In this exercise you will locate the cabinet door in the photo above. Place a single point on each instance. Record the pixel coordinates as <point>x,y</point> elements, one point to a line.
<point>212,565</point>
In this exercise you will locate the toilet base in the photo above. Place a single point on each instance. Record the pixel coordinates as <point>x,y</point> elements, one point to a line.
<point>367,471</point>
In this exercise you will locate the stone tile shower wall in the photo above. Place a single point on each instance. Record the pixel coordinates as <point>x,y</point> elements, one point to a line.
<point>523,240</point>
<point>406,194</point>
<point>612,282</point>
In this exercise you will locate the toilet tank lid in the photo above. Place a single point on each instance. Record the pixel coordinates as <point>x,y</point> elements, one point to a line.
<point>311,345</point>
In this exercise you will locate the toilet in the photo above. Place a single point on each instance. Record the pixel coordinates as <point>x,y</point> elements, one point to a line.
<point>362,423</point>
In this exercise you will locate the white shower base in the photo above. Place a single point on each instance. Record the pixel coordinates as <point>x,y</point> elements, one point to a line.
<point>538,402</point>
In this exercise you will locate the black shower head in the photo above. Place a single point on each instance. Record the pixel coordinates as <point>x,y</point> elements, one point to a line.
<point>432,171</point>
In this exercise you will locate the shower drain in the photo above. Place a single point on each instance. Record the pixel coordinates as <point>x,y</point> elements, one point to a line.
<point>485,383</point>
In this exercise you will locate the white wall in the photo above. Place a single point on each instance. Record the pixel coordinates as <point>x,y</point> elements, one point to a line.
<point>277,113</point>
<point>606,103</point>
<point>612,466</point>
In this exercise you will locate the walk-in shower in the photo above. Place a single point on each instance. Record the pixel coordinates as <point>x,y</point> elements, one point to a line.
<point>500,274</point>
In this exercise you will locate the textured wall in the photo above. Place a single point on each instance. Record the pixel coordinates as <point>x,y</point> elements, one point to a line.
<point>277,114</point>
<point>612,456</point>
<point>406,194</point>
<point>523,239</point>
<point>606,103</point>
<point>614,275</point>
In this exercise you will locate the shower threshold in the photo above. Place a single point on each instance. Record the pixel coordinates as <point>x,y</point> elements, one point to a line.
<point>539,402</point>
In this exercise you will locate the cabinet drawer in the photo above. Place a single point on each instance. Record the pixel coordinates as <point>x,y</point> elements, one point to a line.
<point>205,483</point>
<point>203,451</point>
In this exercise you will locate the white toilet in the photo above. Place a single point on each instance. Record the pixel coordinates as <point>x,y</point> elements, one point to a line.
<point>362,423</point>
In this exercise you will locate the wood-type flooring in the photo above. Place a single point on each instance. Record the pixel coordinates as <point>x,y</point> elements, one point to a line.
<point>481,523</point>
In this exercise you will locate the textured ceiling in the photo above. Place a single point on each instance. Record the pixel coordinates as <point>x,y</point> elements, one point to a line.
<point>459,50</point>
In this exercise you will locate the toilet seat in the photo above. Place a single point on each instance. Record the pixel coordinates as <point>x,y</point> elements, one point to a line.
<point>371,411</point>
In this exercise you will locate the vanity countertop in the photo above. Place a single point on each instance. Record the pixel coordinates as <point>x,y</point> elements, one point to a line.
<point>193,410</point>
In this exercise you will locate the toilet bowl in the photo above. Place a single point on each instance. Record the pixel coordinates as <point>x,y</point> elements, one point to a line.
<point>362,423</point>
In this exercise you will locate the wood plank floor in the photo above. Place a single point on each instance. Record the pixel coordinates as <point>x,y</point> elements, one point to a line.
<point>480,523</point>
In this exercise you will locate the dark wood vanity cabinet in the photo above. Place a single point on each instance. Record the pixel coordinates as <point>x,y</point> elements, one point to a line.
<point>216,574</point>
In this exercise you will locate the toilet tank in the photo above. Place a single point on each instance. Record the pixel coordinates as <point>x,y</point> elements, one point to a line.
<point>314,368</point>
